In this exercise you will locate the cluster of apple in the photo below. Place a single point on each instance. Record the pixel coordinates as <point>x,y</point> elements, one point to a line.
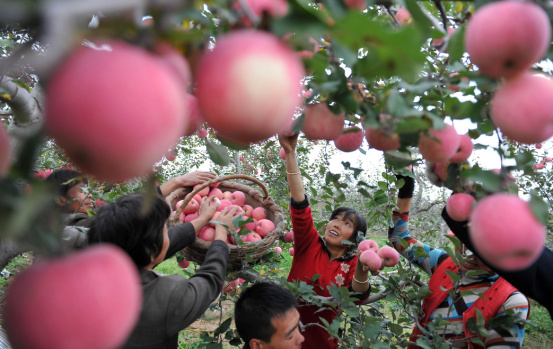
<point>258,227</point>
<point>376,258</point>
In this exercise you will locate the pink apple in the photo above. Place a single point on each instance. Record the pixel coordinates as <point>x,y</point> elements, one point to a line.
<point>178,204</point>
<point>459,206</point>
<point>538,146</point>
<point>259,213</point>
<point>522,108</point>
<point>192,207</point>
<point>371,259</point>
<point>190,217</point>
<point>96,135</point>
<point>202,133</point>
<point>224,203</point>
<point>278,250</point>
<point>539,166</point>
<point>291,251</point>
<point>238,198</point>
<point>439,41</point>
<point>281,153</point>
<point>350,139</point>
<point>227,195</point>
<point>253,237</point>
<point>403,16</point>
<point>521,33</point>
<point>289,236</point>
<point>214,218</point>
<point>465,149</point>
<point>216,192</point>
<point>247,210</point>
<point>251,226</point>
<point>182,216</point>
<point>175,63</point>
<point>195,120</point>
<point>367,245</point>
<point>256,8</point>
<point>505,231</point>
<point>321,123</point>
<point>389,255</point>
<point>359,5</point>
<point>248,86</point>
<point>207,234</point>
<point>90,299</point>
<point>184,264</point>
<point>547,159</point>
<point>439,145</point>
<point>203,192</point>
<point>264,227</point>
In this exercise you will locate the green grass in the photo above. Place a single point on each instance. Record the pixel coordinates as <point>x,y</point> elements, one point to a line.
<point>542,335</point>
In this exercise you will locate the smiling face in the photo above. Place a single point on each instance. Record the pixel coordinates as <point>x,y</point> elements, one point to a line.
<point>471,262</point>
<point>339,228</point>
<point>73,198</point>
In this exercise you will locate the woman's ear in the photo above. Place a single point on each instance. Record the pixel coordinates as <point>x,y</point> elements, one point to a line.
<point>60,201</point>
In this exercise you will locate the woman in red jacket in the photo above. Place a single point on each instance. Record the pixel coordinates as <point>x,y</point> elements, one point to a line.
<point>329,257</point>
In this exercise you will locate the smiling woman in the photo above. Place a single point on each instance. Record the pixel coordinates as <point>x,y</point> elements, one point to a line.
<point>328,257</point>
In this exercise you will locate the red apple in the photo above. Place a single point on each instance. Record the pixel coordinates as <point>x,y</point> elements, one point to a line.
<point>224,203</point>
<point>175,63</point>
<point>350,140</point>
<point>522,108</point>
<point>539,166</point>
<point>232,286</point>
<point>459,206</point>
<point>89,300</point>
<point>238,198</point>
<point>216,192</point>
<point>359,5</point>
<point>256,8</point>
<point>259,213</point>
<point>264,227</point>
<point>278,250</point>
<point>389,255</point>
<point>291,251</point>
<point>289,236</point>
<point>378,139</point>
<point>253,237</point>
<point>251,226</point>
<point>505,38</point>
<point>39,174</point>
<point>538,146</point>
<point>227,195</point>
<point>505,232</point>
<point>126,134</point>
<point>439,145</point>
<point>321,123</point>
<point>281,153</point>
<point>248,86</point>
<point>190,217</point>
<point>439,41</point>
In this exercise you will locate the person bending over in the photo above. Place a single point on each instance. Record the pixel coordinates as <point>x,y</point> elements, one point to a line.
<point>266,317</point>
<point>172,302</point>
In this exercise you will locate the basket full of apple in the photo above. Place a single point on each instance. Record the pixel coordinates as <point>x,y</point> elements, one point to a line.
<point>261,226</point>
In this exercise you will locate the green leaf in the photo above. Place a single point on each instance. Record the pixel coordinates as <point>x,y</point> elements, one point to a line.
<point>396,329</point>
<point>453,276</point>
<point>422,22</point>
<point>456,45</point>
<point>539,207</point>
<point>217,153</point>
<point>223,327</point>
<point>396,103</point>
<point>424,343</point>
<point>371,330</point>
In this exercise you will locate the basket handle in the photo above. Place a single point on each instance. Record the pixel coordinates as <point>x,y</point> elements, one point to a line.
<point>213,181</point>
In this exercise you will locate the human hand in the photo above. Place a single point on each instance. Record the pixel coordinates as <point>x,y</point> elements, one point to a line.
<point>208,207</point>
<point>193,178</point>
<point>227,215</point>
<point>288,143</point>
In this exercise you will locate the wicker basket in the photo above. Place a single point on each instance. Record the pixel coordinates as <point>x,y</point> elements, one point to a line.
<point>239,255</point>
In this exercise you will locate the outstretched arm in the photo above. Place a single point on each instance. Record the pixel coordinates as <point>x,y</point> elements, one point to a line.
<point>400,231</point>
<point>187,180</point>
<point>293,174</point>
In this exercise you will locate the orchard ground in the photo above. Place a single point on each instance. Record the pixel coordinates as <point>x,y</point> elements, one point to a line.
<point>536,337</point>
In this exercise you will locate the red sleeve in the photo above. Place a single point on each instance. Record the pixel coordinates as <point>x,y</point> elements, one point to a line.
<point>305,233</point>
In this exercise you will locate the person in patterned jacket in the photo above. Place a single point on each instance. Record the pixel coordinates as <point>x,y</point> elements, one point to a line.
<point>499,296</point>
<point>328,257</point>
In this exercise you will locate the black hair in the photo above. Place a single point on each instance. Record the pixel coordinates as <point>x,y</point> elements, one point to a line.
<point>123,223</point>
<point>257,306</point>
<point>63,180</point>
<point>360,222</point>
